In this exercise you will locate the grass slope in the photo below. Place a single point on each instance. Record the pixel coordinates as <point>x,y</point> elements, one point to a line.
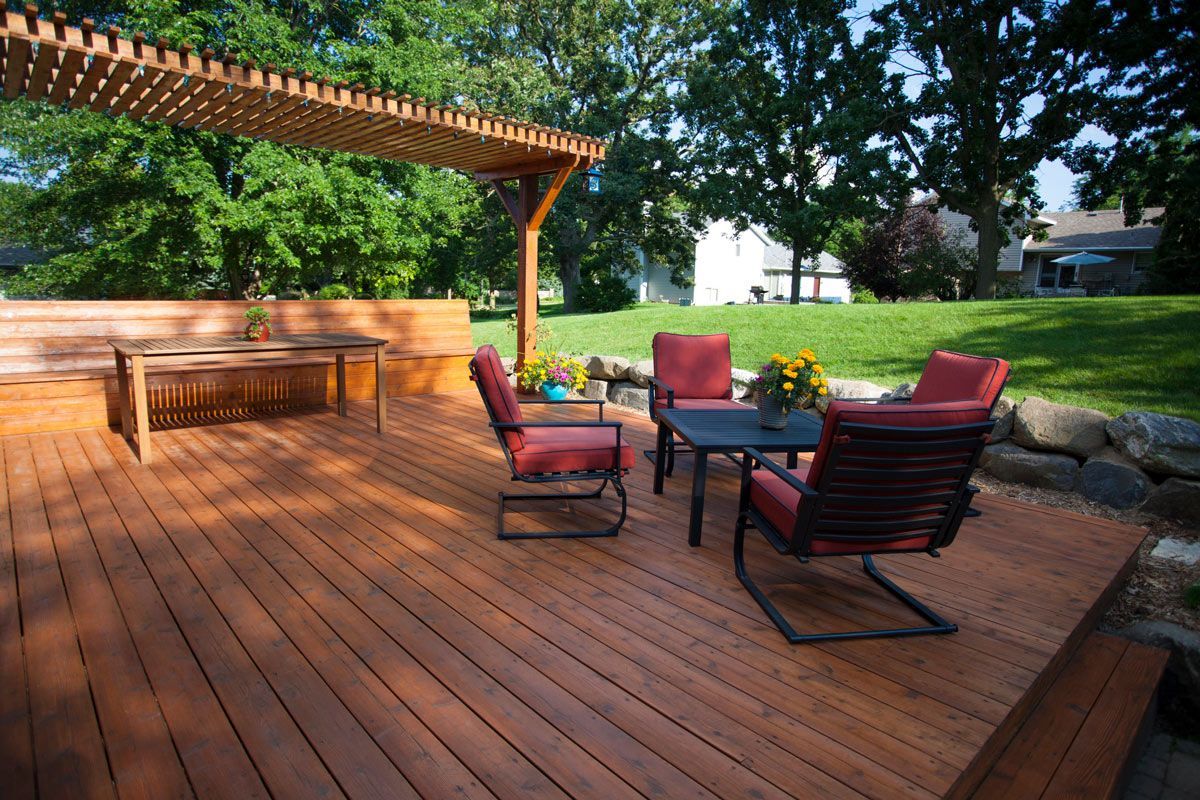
<point>1112,353</point>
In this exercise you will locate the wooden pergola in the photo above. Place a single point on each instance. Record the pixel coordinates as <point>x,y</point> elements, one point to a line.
<point>95,68</point>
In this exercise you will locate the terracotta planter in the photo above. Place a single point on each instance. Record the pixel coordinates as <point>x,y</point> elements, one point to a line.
<point>264,333</point>
<point>770,413</point>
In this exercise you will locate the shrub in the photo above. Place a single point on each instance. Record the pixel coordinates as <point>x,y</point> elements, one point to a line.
<point>606,293</point>
<point>861,294</point>
<point>335,291</point>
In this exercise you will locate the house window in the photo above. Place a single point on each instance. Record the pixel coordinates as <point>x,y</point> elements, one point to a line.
<point>1142,261</point>
<point>1048,274</point>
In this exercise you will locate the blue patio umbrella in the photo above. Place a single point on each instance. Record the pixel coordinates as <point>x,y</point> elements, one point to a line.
<point>1082,258</point>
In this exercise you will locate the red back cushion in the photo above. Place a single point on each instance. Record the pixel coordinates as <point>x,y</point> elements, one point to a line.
<point>489,372</point>
<point>933,415</point>
<point>951,376</point>
<point>695,367</point>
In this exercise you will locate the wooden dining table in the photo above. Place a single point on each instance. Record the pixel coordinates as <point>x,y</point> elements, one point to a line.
<point>132,356</point>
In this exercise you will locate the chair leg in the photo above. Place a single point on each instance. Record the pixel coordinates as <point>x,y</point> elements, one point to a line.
<point>939,625</point>
<point>611,530</point>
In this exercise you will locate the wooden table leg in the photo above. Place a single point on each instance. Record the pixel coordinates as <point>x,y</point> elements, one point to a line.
<point>141,408</point>
<point>341,383</point>
<point>380,389</point>
<point>699,476</point>
<point>123,396</point>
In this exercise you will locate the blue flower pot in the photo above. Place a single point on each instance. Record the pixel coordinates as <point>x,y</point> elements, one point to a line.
<point>552,391</point>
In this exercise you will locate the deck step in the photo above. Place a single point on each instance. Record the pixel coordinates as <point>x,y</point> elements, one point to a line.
<point>1081,737</point>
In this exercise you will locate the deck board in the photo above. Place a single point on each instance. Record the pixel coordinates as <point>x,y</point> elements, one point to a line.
<point>293,605</point>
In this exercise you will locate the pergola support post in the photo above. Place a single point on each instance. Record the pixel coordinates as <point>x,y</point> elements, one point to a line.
<point>528,210</point>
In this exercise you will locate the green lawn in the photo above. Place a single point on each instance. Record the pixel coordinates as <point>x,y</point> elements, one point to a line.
<point>1114,354</point>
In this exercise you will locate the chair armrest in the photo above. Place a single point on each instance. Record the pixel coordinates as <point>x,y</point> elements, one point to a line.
<point>655,385</point>
<point>572,402</point>
<point>787,477</point>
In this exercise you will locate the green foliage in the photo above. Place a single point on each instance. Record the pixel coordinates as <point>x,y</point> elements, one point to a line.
<point>1002,86</point>
<point>781,113</point>
<point>1152,109</point>
<point>860,294</point>
<point>605,293</point>
<point>1191,596</point>
<point>910,255</point>
<point>1109,353</point>
<point>607,68</point>
<point>259,320</point>
<point>335,291</point>
<point>131,209</point>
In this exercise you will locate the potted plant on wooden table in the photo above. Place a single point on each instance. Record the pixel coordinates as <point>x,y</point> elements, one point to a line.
<point>787,383</point>
<point>258,324</point>
<point>555,374</point>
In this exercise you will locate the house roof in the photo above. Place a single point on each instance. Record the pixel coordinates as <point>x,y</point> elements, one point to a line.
<point>779,259</point>
<point>1098,230</point>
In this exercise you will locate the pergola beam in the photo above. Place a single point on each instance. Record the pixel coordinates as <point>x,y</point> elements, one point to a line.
<point>103,72</point>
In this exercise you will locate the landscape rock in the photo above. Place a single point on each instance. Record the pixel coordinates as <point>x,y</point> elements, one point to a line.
<point>840,389</point>
<point>1005,414</point>
<point>740,389</point>
<point>901,394</point>
<point>1110,478</point>
<point>608,368</point>
<point>1158,443</point>
<point>1176,498</point>
<point>1177,550</point>
<point>510,365</point>
<point>629,394</point>
<point>595,389</point>
<point>1008,462</point>
<point>640,372</point>
<point>1043,425</point>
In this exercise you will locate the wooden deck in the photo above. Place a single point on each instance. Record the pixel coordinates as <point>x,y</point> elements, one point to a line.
<point>294,607</point>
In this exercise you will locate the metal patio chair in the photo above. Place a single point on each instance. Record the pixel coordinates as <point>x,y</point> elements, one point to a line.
<point>550,452</point>
<point>690,372</point>
<point>884,479</point>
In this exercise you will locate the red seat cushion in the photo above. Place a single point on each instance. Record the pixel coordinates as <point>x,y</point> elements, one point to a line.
<point>779,503</point>
<point>698,404</point>
<point>493,382</point>
<point>696,367</point>
<point>569,450</point>
<point>949,377</point>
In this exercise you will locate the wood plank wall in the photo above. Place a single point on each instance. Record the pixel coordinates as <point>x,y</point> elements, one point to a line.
<point>57,370</point>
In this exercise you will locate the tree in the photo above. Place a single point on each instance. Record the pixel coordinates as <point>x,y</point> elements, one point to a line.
<point>142,210</point>
<point>909,254</point>
<point>605,68</point>
<point>985,90</point>
<point>780,112</point>
<point>1152,109</point>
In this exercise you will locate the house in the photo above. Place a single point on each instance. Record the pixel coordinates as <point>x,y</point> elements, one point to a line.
<point>1031,264</point>
<point>1101,233</point>
<point>729,264</point>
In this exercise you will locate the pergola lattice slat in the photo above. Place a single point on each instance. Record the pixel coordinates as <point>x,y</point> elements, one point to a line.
<point>81,67</point>
<point>99,70</point>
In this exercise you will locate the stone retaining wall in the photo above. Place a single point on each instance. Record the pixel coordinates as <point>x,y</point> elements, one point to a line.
<point>1139,459</point>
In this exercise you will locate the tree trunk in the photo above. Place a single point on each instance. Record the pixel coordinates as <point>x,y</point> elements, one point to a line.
<point>988,251</point>
<point>797,263</point>
<point>568,272</point>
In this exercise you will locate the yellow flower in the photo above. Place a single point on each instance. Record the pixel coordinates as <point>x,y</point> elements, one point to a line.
<point>824,382</point>
<point>790,373</point>
<point>778,359</point>
<point>808,354</point>
<point>817,368</point>
<point>797,365</point>
<point>787,387</point>
<point>822,391</point>
<point>814,381</point>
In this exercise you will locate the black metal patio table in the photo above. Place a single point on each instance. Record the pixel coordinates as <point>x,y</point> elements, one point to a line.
<point>727,432</point>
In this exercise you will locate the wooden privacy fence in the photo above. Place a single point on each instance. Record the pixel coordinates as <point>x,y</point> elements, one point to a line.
<point>57,369</point>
